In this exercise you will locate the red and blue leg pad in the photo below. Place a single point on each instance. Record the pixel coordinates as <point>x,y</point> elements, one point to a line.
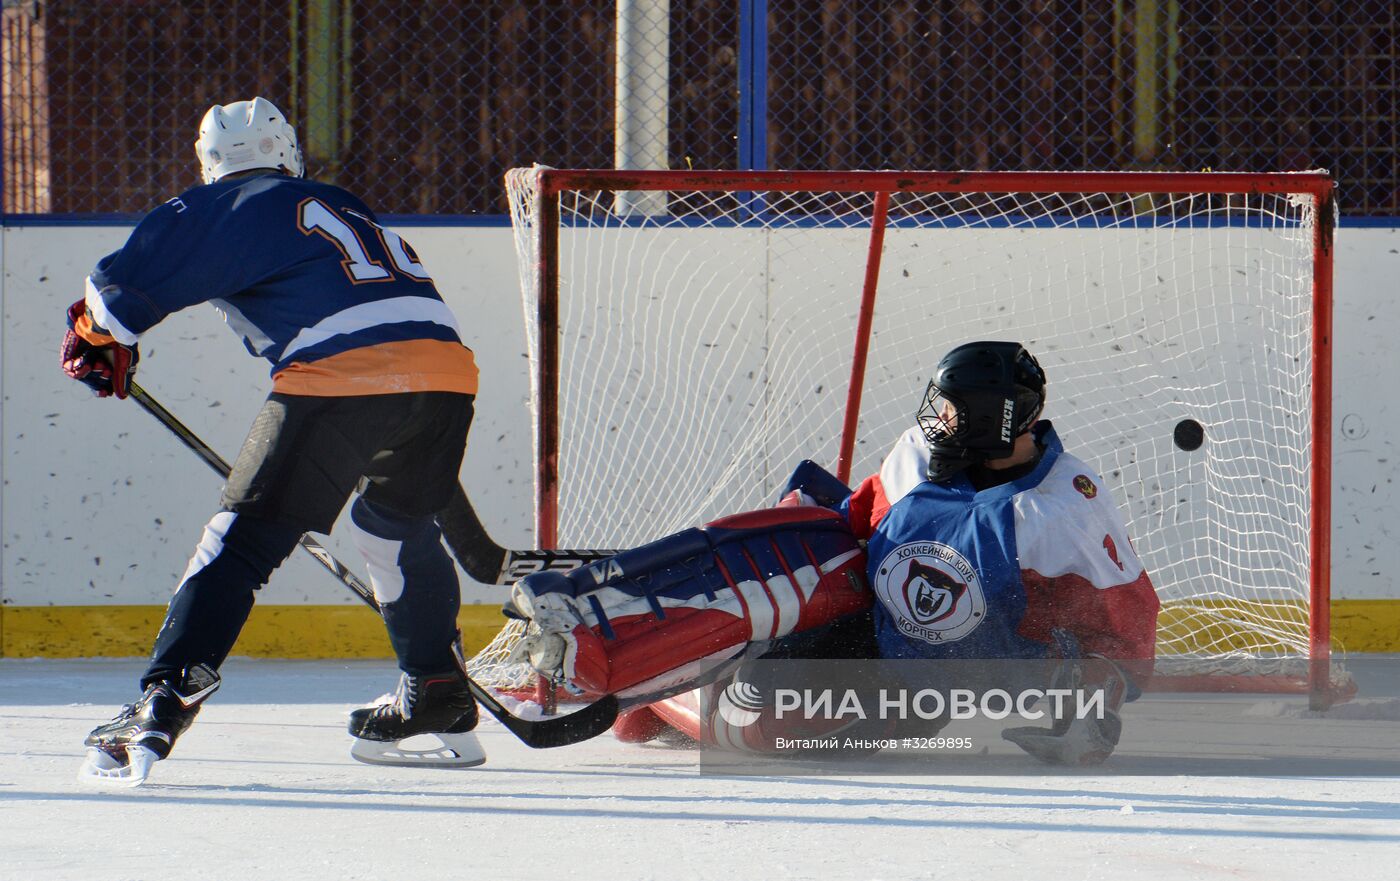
<point>654,620</point>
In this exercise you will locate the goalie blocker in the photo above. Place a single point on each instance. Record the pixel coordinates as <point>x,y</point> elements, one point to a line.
<point>681,611</point>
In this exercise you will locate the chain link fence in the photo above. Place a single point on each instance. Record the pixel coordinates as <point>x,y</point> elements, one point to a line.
<point>422,106</point>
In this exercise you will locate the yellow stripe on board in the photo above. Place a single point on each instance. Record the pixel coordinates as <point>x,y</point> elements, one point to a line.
<point>271,632</point>
<point>356,632</point>
<point>1214,627</point>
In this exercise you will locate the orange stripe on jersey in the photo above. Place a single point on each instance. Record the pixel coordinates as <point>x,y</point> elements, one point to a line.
<point>386,368</point>
<point>84,328</point>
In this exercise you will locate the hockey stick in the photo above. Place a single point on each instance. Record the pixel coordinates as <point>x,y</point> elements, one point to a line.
<point>488,562</point>
<point>216,462</point>
<point>590,721</point>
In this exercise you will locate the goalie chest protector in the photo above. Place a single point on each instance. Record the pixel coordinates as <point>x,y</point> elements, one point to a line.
<point>954,569</point>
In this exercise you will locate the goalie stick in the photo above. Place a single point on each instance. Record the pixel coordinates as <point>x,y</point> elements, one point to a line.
<point>590,721</point>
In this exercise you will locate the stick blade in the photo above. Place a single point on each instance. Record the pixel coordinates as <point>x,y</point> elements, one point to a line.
<point>552,731</point>
<point>575,727</point>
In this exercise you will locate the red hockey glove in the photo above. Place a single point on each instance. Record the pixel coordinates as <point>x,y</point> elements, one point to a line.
<point>106,369</point>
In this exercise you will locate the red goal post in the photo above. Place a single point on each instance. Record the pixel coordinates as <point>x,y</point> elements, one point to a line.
<point>694,334</point>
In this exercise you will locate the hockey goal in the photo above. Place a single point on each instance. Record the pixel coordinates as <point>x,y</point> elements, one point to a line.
<point>693,335</point>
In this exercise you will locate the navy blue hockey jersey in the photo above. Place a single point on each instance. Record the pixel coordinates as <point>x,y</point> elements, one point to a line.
<point>303,272</point>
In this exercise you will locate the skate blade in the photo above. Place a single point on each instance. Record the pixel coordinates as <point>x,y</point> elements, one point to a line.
<point>421,751</point>
<point>101,768</point>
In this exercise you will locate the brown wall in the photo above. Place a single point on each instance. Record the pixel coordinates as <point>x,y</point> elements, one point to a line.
<point>422,106</point>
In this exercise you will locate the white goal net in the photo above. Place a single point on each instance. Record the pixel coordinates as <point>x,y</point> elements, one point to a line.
<point>694,336</point>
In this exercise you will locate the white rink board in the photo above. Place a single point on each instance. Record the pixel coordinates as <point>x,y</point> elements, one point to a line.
<point>87,479</point>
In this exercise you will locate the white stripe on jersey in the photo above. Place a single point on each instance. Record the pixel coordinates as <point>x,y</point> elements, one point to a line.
<point>1061,531</point>
<point>104,318</point>
<point>906,465</point>
<point>366,315</point>
<point>257,340</point>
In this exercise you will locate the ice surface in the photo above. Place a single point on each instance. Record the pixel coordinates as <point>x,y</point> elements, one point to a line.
<point>263,786</point>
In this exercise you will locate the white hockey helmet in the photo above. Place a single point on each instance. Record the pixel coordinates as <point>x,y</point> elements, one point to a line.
<point>244,135</point>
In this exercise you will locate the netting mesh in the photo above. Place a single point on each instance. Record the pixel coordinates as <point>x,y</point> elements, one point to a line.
<point>706,347</point>
<point>492,666</point>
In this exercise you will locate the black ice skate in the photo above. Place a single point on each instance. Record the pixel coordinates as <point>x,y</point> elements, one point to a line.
<point>439,706</point>
<point>122,751</point>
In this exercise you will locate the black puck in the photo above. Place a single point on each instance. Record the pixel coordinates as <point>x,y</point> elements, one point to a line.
<point>1189,435</point>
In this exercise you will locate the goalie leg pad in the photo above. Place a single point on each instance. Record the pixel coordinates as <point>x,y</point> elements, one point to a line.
<point>654,620</point>
<point>1075,739</point>
<point>638,725</point>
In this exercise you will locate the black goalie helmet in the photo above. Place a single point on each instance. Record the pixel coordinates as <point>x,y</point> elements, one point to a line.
<point>982,397</point>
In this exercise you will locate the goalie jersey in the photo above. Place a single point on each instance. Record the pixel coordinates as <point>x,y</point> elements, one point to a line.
<point>303,272</point>
<point>965,574</point>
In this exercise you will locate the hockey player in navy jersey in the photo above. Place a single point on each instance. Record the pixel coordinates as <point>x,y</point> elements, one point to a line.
<point>983,538</point>
<point>371,387</point>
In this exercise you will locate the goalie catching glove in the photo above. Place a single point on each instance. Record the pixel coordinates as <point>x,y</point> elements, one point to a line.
<point>93,357</point>
<point>671,615</point>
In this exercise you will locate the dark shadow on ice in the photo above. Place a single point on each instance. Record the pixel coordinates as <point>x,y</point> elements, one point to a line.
<point>366,801</point>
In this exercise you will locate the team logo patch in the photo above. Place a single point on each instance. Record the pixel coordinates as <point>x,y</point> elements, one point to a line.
<point>931,595</point>
<point>1085,486</point>
<point>932,590</point>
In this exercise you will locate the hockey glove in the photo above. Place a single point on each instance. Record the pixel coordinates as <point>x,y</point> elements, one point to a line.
<point>811,484</point>
<point>1076,738</point>
<point>557,644</point>
<point>106,369</point>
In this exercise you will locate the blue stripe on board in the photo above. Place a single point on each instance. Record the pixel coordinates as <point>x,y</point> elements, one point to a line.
<point>69,219</point>
<point>753,85</point>
<point>391,220</point>
<point>503,220</point>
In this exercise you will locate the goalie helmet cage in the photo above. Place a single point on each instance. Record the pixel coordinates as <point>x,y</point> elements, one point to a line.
<point>693,335</point>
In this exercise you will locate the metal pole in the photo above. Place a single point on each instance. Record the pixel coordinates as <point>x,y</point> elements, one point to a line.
<point>846,454</point>
<point>753,85</point>
<point>642,75</point>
